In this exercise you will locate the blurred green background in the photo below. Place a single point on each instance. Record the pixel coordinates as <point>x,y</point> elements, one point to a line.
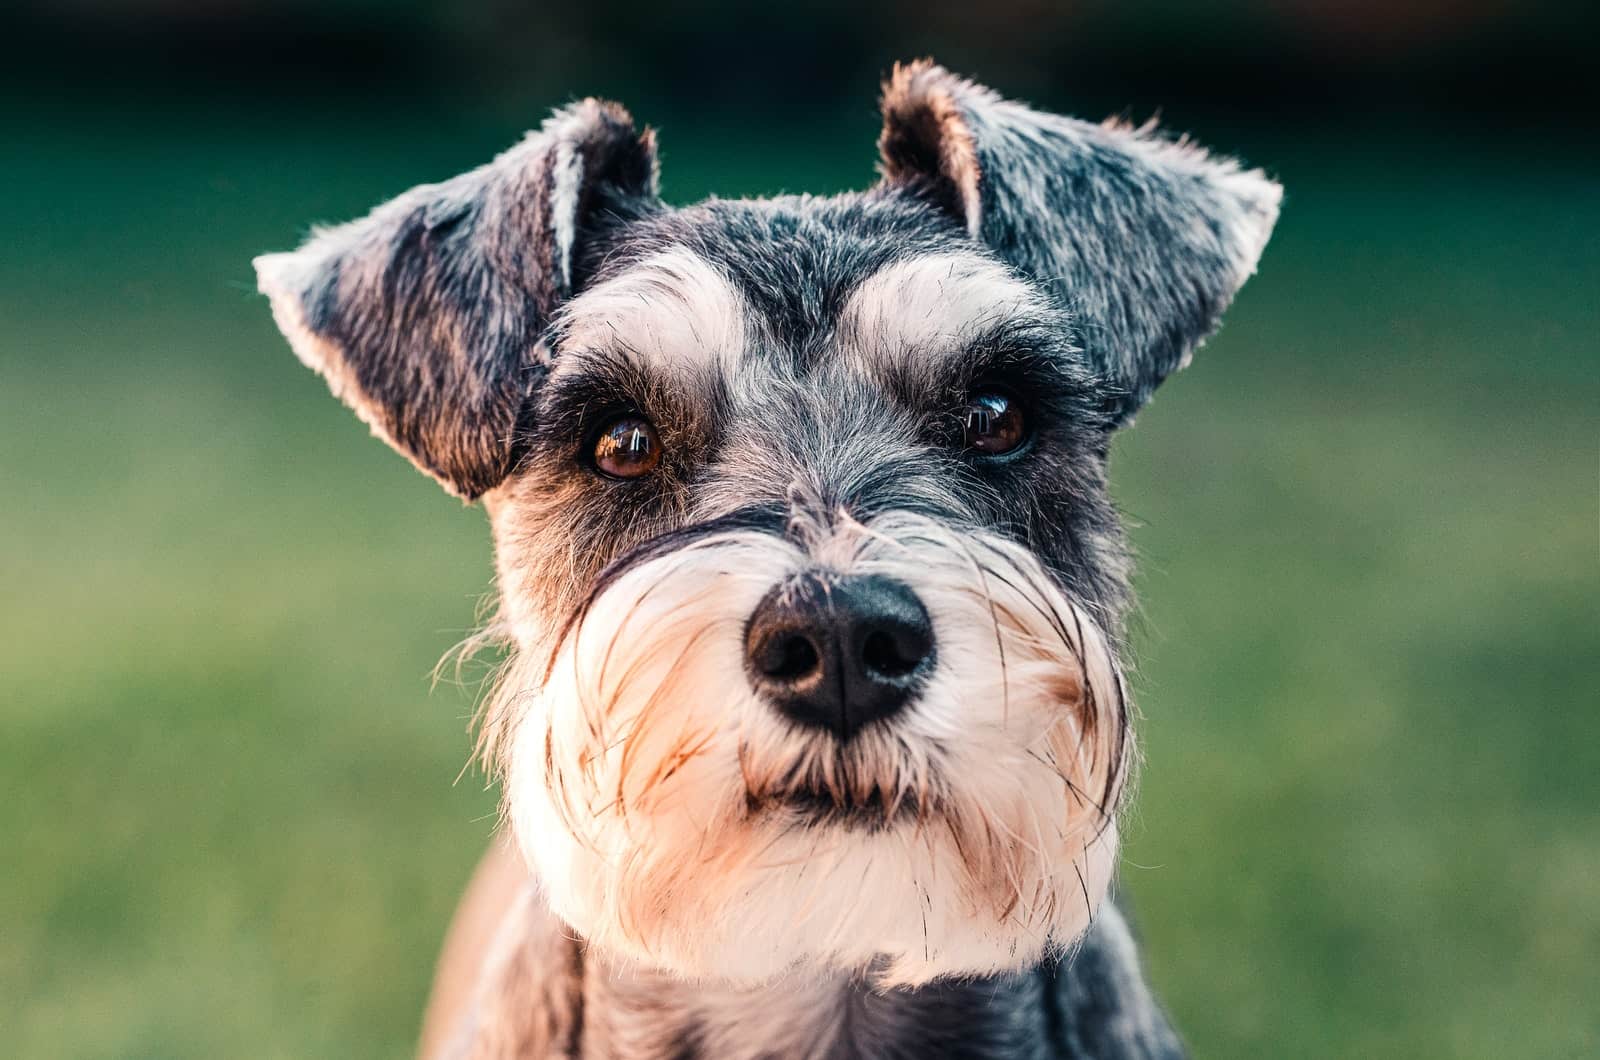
<point>1369,821</point>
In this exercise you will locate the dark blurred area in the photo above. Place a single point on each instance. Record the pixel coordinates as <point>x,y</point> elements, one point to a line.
<point>1465,62</point>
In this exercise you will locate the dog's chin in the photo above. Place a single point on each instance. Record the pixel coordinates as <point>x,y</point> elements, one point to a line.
<point>804,886</point>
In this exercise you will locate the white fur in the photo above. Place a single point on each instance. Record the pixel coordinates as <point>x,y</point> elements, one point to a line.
<point>672,310</point>
<point>564,192</point>
<point>930,306</point>
<point>632,764</point>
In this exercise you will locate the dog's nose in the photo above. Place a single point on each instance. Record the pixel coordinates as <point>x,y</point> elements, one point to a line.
<point>839,653</point>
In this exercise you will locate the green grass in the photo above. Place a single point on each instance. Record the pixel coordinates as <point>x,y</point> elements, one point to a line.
<point>1369,820</point>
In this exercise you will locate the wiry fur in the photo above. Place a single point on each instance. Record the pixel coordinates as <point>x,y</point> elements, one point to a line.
<point>1145,239</point>
<point>806,363</point>
<point>649,782</point>
<point>424,315</point>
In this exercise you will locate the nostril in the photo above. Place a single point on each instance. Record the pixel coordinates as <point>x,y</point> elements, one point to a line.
<point>887,655</point>
<point>788,657</point>
<point>839,652</point>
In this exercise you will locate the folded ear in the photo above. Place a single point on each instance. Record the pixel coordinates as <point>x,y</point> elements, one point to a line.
<point>1144,239</point>
<point>426,315</point>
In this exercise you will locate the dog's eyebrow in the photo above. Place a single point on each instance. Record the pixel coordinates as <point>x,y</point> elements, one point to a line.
<point>930,328</point>
<point>935,306</point>
<point>674,310</point>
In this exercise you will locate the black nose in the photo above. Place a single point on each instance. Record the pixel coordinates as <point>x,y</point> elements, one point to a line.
<point>839,653</point>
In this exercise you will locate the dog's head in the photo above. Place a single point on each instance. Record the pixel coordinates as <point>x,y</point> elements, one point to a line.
<point>803,538</point>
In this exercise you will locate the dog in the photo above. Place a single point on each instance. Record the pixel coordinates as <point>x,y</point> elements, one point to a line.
<point>812,731</point>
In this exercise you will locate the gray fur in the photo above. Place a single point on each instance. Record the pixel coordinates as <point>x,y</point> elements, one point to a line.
<point>425,315</point>
<point>1144,240</point>
<point>450,319</point>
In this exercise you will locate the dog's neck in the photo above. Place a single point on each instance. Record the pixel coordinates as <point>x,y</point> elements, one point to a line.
<point>644,1014</point>
<point>548,994</point>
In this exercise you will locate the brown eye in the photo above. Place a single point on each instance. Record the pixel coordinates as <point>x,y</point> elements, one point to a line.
<point>627,448</point>
<point>994,423</point>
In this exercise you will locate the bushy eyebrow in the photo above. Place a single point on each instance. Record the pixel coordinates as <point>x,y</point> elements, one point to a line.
<point>672,307</point>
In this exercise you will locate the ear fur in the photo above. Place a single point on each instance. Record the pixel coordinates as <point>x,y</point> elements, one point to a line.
<point>1146,240</point>
<point>425,316</point>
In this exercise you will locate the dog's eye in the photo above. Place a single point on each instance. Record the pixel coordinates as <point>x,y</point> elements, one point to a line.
<point>994,422</point>
<point>627,448</point>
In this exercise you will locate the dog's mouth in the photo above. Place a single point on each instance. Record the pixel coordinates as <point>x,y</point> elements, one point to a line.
<point>813,806</point>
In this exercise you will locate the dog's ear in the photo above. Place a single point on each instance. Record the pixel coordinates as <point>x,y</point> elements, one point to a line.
<point>1145,240</point>
<point>426,315</point>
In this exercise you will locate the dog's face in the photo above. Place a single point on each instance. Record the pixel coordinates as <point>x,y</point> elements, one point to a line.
<point>800,513</point>
<point>820,545</point>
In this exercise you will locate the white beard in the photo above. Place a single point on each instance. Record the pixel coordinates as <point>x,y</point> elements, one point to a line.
<point>645,778</point>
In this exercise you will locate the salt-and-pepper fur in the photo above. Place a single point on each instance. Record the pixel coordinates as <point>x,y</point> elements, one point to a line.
<point>711,879</point>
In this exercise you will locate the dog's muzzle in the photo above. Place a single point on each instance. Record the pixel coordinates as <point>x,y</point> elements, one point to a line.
<point>839,653</point>
<point>893,746</point>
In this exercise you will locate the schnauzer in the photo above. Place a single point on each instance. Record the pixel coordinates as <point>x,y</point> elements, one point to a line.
<point>812,730</point>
